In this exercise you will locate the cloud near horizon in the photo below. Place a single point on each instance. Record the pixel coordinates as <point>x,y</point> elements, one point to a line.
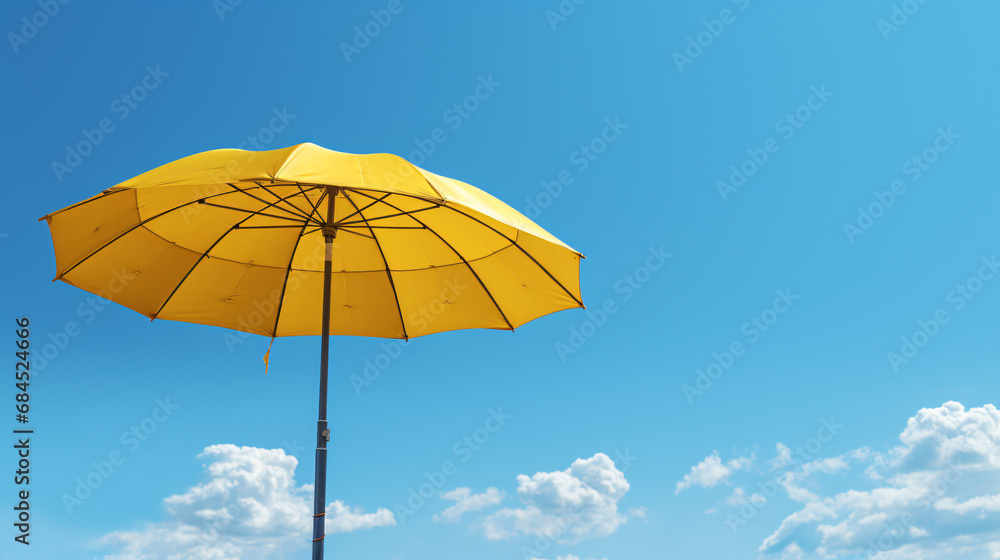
<point>935,495</point>
<point>249,507</point>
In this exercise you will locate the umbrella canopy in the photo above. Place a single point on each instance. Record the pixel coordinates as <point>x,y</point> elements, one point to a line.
<point>235,239</point>
<point>305,241</point>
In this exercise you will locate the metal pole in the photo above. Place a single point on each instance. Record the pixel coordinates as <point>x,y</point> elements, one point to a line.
<point>322,433</point>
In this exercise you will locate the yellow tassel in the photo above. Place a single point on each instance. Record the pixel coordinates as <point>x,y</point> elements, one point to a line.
<point>268,353</point>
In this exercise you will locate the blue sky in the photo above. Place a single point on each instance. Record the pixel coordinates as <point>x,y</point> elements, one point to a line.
<point>866,211</point>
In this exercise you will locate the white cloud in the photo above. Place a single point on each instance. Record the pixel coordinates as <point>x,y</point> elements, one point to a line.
<point>979,504</point>
<point>465,501</point>
<point>639,512</point>
<point>567,506</point>
<point>934,496</point>
<point>711,471</point>
<point>783,458</point>
<point>794,481</point>
<point>739,497</point>
<point>343,519</point>
<point>249,508</point>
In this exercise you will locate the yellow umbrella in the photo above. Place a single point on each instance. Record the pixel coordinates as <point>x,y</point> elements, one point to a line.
<point>309,241</point>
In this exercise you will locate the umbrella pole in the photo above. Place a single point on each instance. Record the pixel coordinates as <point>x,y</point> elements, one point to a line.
<point>322,432</point>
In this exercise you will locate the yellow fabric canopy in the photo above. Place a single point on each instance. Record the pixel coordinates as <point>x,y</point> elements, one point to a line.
<point>235,239</point>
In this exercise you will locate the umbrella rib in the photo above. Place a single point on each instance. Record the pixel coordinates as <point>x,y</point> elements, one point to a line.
<point>270,204</point>
<point>526,253</point>
<point>388,272</point>
<point>401,213</point>
<point>513,241</point>
<point>104,194</point>
<point>291,207</point>
<point>288,272</point>
<point>356,212</point>
<point>312,212</point>
<point>108,192</point>
<point>381,227</point>
<point>469,266</point>
<point>205,254</point>
<point>133,228</point>
<point>321,197</point>
<point>272,227</point>
<point>315,208</point>
<point>356,233</point>
<point>251,212</point>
